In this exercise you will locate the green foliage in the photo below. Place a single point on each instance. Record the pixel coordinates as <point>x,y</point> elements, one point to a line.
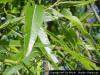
<point>72,41</point>
<point>4,1</point>
<point>33,21</point>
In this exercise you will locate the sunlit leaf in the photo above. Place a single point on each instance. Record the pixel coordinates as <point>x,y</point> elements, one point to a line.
<point>12,70</point>
<point>33,22</point>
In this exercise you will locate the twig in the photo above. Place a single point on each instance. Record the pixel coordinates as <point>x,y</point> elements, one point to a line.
<point>96,14</point>
<point>53,5</point>
<point>62,59</point>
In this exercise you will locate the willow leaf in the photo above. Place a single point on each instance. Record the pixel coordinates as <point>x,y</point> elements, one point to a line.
<point>33,22</point>
<point>74,19</point>
<point>15,43</point>
<point>44,39</point>
<point>12,70</point>
<point>83,60</point>
<point>4,1</point>
<point>75,3</point>
<point>7,23</point>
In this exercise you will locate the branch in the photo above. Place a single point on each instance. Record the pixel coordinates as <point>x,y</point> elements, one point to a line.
<point>96,14</point>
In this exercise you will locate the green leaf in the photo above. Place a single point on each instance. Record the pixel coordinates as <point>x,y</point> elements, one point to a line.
<point>15,33</point>
<point>48,56</point>
<point>10,61</point>
<point>12,70</point>
<point>94,25</point>
<point>4,1</point>
<point>75,3</point>
<point>44,39</point>
<point>74,19</point>
<point>28,59</point>
<point>14,49</point>
<point>43,45</point>
<point>33,22</point>
<point>48,17</point>
<point>66,12</point>
<point>12,21</point>
<point>85,16</point>
<point>39,68</point>
<point>83,60</point>
<point>10,43</point>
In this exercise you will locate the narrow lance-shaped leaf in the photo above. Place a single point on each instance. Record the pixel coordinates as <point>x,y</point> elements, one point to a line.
<point>12,21</point>
<point>74,19</point>
<point>12,70</point>
<point>83,60</point>
<point>33,22</point>
<point>44,39</point>
<point>75,3</point>
<point>15,43</point>
<point>4,1</point>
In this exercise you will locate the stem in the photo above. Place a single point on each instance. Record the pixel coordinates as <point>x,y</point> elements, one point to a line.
<point>46,66</point>
<point>53,5</point>
<point>96,14</point>
<point>28,69</point>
